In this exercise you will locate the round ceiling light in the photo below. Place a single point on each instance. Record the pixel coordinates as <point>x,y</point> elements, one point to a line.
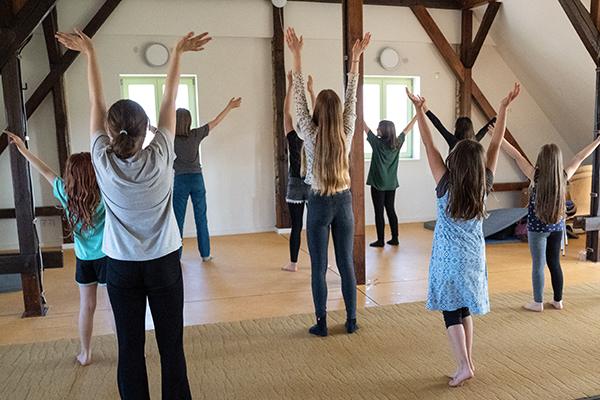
<point>156,54</point>
<point>389,58</point>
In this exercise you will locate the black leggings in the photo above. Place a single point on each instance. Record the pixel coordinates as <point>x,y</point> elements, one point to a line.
<point>130,285</point>
<point>384,200</point>
<point>455,317</point>
<point>296,214</point>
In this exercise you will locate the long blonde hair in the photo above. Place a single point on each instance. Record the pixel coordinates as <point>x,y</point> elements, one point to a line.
<point>551,185</point>
<point>467,181</point>
<point>330,166</point>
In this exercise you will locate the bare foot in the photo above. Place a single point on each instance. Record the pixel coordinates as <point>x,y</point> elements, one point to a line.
<point>461,377</point>
<point>456,373</point>
<point>557,304</point>
<point>84,358</point>
<point>291,267</point>
<point>207,259</point>
<point>534,306</point>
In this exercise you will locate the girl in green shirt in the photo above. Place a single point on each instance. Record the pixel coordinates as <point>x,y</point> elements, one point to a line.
<point>383,175</point>
<point>79,195</point>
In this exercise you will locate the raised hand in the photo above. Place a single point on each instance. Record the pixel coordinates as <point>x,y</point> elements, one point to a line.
<point>360,46</point>
<point>77,41</point>
<point>294,43</point>
<point>234,103</point>
<point>512,95</point>
<point>191,42</point>
<point>418,101</point>
<point>16,140</point>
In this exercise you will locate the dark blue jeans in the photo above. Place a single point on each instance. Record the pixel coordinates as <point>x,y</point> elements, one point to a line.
<point>186,186</point>
<point>325,214</point>
<point>159,281</point>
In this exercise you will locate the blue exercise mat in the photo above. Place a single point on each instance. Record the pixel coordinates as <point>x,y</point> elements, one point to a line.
<point>496,221</point>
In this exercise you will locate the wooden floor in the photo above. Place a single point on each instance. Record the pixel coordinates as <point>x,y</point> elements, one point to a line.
<point>244,281</point>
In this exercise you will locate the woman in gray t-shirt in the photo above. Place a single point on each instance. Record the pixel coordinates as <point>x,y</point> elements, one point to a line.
<point>141,238</point>
<point>189,181</point>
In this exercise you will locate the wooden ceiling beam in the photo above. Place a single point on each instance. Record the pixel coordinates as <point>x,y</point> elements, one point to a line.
<point>65,62</point>
<point>584,25</point>
<point>486,24</point>
<point>443,4</point>
<point>25,22</point>
<point>468,4</point>
<point>453,61</point>
<point>595,12</point>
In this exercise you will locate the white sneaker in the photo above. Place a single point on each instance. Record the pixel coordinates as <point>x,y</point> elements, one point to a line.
<point>207,259</point>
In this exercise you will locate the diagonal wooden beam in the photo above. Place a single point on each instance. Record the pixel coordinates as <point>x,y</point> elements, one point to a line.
<point>584,26</point>
<point>65,62</point>
<point>25,22</point>
<point>486,23</point>
<point>453,61</point>
<point>466,87</point>
<point>595,12</point>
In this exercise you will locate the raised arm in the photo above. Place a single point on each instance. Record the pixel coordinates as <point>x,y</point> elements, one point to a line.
<point>436,162</point>
<point>233,104</point>
<point>500,129</point>
<point>483,131</point>
<point>525,166</point>
<point>408,128</point>
<point>303,118</point>
<point>288,124</point>
<point>79,41</point>
<point>166,116</point>
<point>446,134</point>
<point>580,157</point>
<point>38,164</point>
<point>349,116</point>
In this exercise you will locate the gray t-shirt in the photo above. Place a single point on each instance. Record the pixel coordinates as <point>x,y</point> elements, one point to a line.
<point>138,196</point>
<point>188,152</point>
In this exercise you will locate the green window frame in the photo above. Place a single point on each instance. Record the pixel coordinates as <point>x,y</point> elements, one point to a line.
<point>158,81</point>
<point>408,151</point>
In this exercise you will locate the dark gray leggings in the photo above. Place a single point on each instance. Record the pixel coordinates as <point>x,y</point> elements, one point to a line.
<point>325,214</point>
<point>455,317</point>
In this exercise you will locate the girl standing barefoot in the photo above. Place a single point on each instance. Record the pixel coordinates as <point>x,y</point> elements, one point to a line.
<point>457,271</point>
<point>79,195</point>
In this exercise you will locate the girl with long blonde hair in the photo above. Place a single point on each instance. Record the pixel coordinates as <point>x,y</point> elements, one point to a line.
<point>327,140</point>
<point>546,214</point>
<point>79,195</point>
<point>457,271</point>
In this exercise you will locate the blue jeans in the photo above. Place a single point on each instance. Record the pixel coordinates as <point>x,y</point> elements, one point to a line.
<point>545,249</point>
<point>192,185</point>
<point>333,213</point>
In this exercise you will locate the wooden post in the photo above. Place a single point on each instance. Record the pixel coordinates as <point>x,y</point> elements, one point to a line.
<point>466,86</point>
<point>592,238</point>
<point>282,214</point>
<point>28,244</point>
<point>352,14</point>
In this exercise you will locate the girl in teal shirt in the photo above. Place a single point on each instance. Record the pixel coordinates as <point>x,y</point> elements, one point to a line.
<point>80,196</point>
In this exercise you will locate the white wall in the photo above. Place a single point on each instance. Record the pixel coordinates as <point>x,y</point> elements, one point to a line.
<point>238,156</point>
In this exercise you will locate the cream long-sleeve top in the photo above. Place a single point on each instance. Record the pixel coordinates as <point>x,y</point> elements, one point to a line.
<point>308,129</point>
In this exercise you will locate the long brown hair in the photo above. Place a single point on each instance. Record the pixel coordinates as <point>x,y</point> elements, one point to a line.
<point>331,162</point>
<point>467,181</point>
<point>463,128</point>
<point>127,122</point>
<point>184,122</point>
<point>83,193</point>
<point>387,132</point>
<point>551,186</point>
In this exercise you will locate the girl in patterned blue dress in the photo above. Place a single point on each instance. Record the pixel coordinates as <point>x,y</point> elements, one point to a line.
<point>457,271</point>
<point>546,214</point>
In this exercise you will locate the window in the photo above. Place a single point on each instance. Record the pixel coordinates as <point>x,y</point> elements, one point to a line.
<point>385,98</point>
<point>147,90</point>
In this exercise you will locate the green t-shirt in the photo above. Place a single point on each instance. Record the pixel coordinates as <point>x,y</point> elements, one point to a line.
<point>383,174</point>
<point>88,244</point>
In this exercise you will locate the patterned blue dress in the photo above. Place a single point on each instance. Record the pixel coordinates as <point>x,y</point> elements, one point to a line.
<point>457,270</point>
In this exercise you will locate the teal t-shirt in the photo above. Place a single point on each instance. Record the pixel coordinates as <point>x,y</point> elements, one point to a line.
<point>88,244</point>
<point>383,173</point>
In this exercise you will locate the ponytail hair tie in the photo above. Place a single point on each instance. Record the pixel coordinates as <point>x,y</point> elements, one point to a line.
<point>123,132</point>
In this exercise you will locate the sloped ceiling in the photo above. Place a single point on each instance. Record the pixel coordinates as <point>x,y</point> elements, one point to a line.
<point>538,42</point>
